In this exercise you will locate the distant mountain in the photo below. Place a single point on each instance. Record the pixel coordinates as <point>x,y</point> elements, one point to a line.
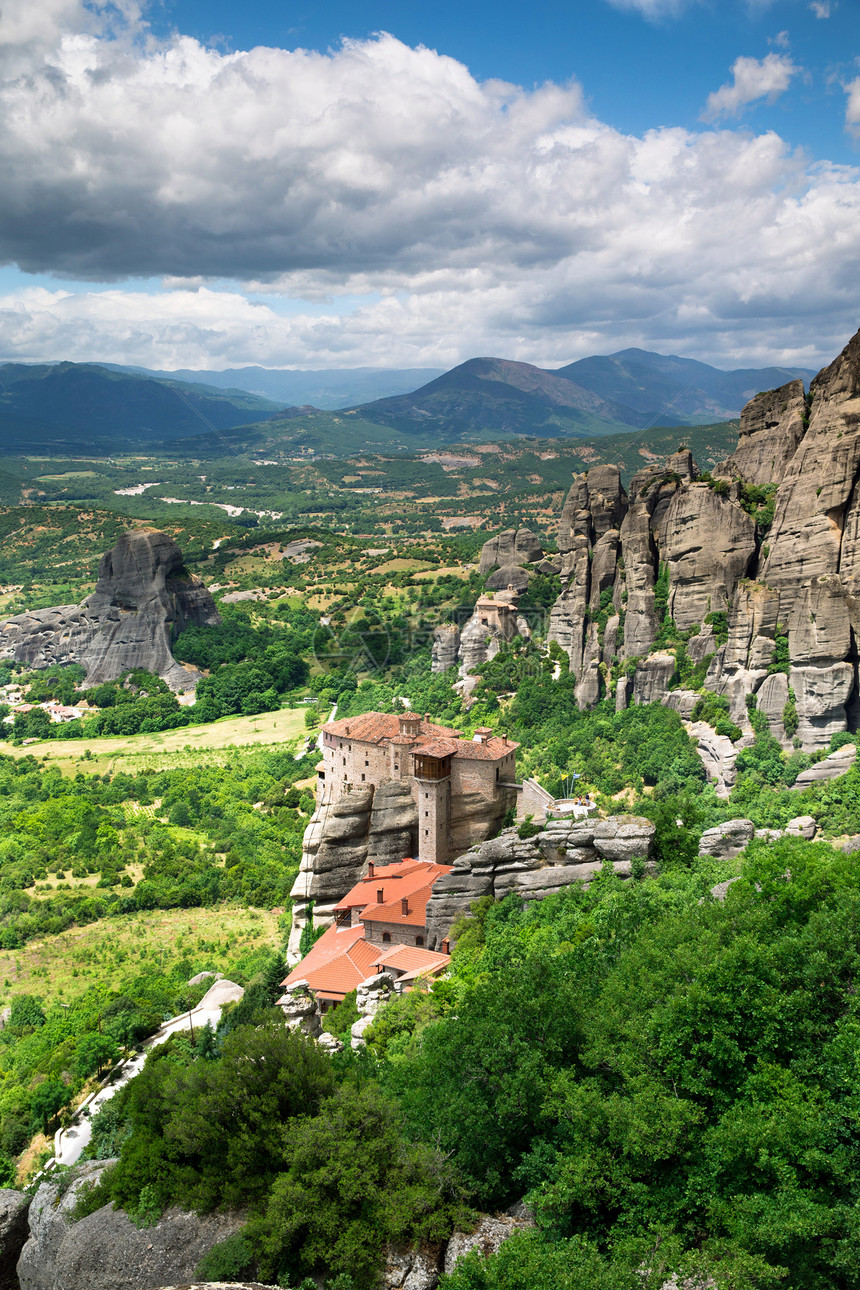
<point>502,397</point>
<point>663,389</point>
<point>335,388</point>
<point>76,405</point>
<point>600,395</point>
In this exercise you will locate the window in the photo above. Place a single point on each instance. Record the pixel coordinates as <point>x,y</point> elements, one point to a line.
<point>426,833</point>
<point>426,815</point>
<point>362,777</point>
<point>386,938</point>
<point>419,941</point>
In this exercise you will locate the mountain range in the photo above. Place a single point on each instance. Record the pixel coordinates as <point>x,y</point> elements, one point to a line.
<point>64,406</point>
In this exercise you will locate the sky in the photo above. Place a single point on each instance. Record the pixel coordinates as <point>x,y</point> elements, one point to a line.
<point>210,184</point>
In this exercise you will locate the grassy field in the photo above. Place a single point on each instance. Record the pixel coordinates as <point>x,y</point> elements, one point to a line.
<point>59,969</point>
<point>187,746</point>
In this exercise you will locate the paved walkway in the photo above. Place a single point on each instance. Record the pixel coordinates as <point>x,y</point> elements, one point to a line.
<point>69,1143</point>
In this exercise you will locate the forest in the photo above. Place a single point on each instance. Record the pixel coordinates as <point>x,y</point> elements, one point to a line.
<point>667,1078</point>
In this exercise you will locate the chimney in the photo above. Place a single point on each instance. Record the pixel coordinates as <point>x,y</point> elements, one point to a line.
<point>380,896</point>
<point>446,948</point>
<point>347,730</point>
<point>404,905</point>
<point>370,868</point>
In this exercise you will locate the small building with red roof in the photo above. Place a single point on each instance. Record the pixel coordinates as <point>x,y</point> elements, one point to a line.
<point>380,926</point>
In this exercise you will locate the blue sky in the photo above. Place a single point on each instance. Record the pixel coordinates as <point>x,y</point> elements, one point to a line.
<point>637,72</point>
<point>186,188</point>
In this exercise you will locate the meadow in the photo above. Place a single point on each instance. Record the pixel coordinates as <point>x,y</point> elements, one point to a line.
<point>189,746</point>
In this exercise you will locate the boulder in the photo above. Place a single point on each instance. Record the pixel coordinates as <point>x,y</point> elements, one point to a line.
<point>683,702</point>
<point>105,1251</point>
<point>143,598</point>
<point>488,1236</point>
<point>829,768</point>
<point>408,1269</point>
<point>821,694</point>
<point>717,754</point>
<point>14,1206</point>
<point>725,841</point>
<point>653,675</point>
<point>802,826</point>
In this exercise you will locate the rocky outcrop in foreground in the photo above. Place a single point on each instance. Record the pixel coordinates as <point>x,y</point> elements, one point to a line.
<point>562,853</point>
<point>713,553</point>
<point>143,598</point>
<point>105,1251</point>
<point>13,1234</point>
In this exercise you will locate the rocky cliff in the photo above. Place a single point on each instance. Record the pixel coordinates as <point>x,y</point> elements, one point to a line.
<point>765,552</point>
<point>143,598</point>
<point>562,853</point>
<point>105,1251</point>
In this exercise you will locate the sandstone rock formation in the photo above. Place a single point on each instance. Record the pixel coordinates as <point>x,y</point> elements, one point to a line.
<point>828,768</point>
<point>13,1234</point>
<point>143,598</point>
<point>514,547</point>
<point>564,852</point>
<point>105,1251</point>
<point>688,552</point>
<point>725,841</point>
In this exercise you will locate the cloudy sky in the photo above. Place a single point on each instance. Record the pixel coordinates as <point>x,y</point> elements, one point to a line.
<point>203,183</point>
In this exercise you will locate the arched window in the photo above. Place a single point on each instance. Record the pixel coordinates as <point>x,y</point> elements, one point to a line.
<point>386,938</point>
<point>419,940</point>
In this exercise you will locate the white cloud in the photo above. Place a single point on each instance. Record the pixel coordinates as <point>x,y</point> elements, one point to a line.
<point>822,8</point>
<point>655,9</point>
<point>753,79</point>
<point>852,107</point>
<point>380,206</point>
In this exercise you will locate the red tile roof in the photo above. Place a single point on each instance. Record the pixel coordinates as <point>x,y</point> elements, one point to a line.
<point>382,727</point>
<point>390,879</point>
<point>411,958</point>
<point>412,879</point>
<point>339,961</point>
<point>438,748</point>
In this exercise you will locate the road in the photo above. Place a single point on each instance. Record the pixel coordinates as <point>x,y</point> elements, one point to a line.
<point>69,1143</point>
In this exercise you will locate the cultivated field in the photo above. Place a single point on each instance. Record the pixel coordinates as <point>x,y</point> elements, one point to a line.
<point>104,954</point>
<point>185,747</point>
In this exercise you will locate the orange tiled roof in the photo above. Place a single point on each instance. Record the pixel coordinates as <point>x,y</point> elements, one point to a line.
<point>411,958</point>
<point>382,727</point>
<point>388,879</point>
<point>339,961</point>
<point>413,879</point>
<point>438,748</point>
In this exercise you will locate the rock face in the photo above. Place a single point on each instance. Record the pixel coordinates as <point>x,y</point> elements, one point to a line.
<point>143,599</point>
<point>682,550</point>
<point>105,1251</point>
<point>728,840</point>
<point>564,852</point>
<point>512,548</point>
<point>829,768</point>
<point>14,1230</point>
